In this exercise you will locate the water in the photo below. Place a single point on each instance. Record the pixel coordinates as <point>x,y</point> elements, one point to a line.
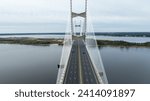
<point>33,36</point>
<point>29,64</point>
<point>126,65</point>
<point>38,64</point>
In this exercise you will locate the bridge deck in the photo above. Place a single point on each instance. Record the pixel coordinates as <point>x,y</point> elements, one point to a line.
<point>80,69</point>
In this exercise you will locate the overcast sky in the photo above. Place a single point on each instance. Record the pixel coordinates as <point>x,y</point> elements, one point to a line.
<point>52,15</point>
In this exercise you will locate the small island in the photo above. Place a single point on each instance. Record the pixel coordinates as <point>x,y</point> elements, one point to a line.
<point>30,41</point>
<point>122,43</point>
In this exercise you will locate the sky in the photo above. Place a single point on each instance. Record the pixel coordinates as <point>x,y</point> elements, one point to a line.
<point>21,16</point>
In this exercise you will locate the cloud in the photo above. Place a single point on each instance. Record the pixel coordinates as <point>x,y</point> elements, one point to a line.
<point>106,14</point>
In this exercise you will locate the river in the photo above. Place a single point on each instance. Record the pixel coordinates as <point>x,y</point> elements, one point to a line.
<point>38,64</point>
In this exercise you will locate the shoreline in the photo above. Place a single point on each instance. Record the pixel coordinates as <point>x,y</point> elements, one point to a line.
<point>59,41</point>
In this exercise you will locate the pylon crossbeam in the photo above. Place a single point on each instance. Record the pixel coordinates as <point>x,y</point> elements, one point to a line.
<point>83,14</point>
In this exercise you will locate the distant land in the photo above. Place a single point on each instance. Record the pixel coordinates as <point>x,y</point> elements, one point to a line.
<point>121,34</point>
<point>132,34</point>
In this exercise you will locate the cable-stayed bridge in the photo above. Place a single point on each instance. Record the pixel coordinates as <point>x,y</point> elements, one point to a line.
<point>80,61</point>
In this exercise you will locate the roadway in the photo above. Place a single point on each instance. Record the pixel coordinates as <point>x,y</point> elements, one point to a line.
<point>80,69</point>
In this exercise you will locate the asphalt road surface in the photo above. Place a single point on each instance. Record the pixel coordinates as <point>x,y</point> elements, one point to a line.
<point>80,69</point>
